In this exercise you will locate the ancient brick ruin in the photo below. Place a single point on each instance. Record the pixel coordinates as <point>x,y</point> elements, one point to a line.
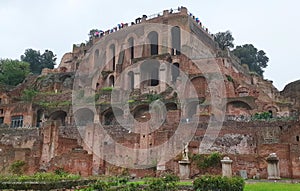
<point>145,64</point>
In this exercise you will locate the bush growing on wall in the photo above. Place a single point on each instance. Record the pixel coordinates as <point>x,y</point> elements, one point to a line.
<point>17,167</point>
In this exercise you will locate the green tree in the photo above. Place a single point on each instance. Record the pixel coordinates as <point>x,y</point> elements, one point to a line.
<point>224,39</point>
<point>39,61</point>
<point>13,72</point>
<point>256,60</point>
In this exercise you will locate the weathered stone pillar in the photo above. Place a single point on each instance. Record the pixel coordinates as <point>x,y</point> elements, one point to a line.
<point>273,167</point>
<point>226,167</point>
<point>184,169</point>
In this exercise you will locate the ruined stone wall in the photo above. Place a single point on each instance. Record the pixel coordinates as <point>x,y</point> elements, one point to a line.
<point>20,144</point>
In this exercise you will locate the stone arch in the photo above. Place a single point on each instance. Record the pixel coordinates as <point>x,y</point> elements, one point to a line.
<point>242,91</point>
<point>150,73</point>
<point>59,115</point>
<point>40,116</point>
<point>175,71</point>
<point>111,54</point>
<point>238,108</point>
<point>171,106</point>
<point>131,41</point>
<point>153,40</point>
<point>141,113</point>
<point>111,81</point>
<point>109,117</point>
<point>200,85</point>
<point>83,116</point>
<point>176,40</point>
<point>272,109</point>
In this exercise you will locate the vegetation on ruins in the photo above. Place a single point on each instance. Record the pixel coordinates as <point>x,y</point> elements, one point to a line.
<point>39,61</point>
<point>29,94</point>
<point>224,39</point>
<point>13,72</point>
<point>255,59</point>
<point>205,162</point>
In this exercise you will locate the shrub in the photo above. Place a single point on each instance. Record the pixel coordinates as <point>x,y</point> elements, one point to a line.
<point>100,185</point>
<point>107,89</point>
<point>153,97</point>
<point>169,177</point>
<point>162,184</point>
<point>17,167</point>
<point>29,94</point>
<point>204,162</point>
<point>218,183</point>
<point>229,78</point>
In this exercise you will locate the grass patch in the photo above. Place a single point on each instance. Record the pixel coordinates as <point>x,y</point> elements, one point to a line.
<point>271,186</point>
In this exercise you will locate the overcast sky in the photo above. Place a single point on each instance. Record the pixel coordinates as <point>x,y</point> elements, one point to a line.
<point>270,25</point>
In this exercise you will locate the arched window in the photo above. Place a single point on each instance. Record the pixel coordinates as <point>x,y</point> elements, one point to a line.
<point>153,39</point>
<point>60,116</point>
<point>111,81</point>
<point>131,80</point>
<point>84,116</point>
<point>131,47</point>
<point>175,72</point>
<point>150,73</point>
<point>111,116</point>
<point>112,49</point>
<point>176,40</point>
<point>39,117</point>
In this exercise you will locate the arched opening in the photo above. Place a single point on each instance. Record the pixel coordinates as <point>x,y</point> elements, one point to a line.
<point>271,113</point>
<point>175,72</point>
<point>176,40</point>
<point>297,138</point>
<point>39,117</point>
<point>243,92</point>
<point>150,73</point>
<point>131,47</point>
<point>131,80</point>
<point>112,49</point>
<point>83,117</point>
<point>272,110</point>
<point>111,116</point>
<point>111,81</point>
<point>200,86</point>
<point>60,116</point>
<point>238,108</point>
<point>153,39</point>
<point>171,106</point>
<point>141,113</point>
